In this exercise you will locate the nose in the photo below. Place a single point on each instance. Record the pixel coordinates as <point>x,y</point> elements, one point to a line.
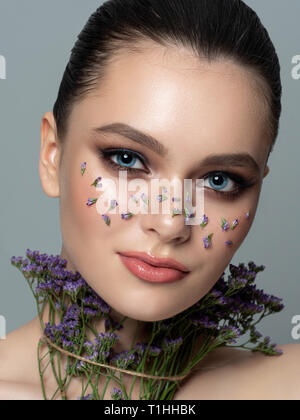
<point>168,228</point>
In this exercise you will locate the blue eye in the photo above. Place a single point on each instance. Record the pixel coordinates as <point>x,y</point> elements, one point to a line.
<point>227,185</point>
<point>123,159</point>
<point>219,181</point>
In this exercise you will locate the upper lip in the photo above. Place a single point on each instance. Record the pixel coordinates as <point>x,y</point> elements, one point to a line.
<point>157,262</point>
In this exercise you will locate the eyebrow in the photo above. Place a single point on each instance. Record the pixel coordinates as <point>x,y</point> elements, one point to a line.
<point>224,159</point>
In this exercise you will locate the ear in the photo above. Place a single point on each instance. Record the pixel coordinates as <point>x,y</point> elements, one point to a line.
<point>267,170</point>
<point>49,156</point>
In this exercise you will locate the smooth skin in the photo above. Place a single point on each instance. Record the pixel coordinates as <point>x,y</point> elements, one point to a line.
<point>194,109</point>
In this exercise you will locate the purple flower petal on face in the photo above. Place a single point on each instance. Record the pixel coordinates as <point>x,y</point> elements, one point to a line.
<point>228,242</point>
<point>161,198</point>
<point>96,182</point>
<point>91,201</point>
<point>144,198</point>
<point>126,216</point>
<point>113,204</point>
<point>207,240</point>
<point>83,168</point>
<point>224,225</point>
<point>234,224</point>
<point>204,221</point>
<point>247,215</point>
<point>106,219</point>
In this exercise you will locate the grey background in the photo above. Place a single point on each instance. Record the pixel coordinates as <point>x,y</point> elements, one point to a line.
<point>36,38</point>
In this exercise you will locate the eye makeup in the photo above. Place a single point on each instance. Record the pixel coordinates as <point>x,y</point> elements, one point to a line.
<point>106,154</point>
<point>240,182</point>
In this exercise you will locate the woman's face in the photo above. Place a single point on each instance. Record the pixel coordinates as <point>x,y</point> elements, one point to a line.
<point>194,110</point>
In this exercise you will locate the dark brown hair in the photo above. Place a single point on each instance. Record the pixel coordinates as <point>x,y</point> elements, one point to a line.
<point>212,29</point>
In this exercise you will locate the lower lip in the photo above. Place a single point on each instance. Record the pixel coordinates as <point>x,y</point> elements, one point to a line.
<point>150,273</point>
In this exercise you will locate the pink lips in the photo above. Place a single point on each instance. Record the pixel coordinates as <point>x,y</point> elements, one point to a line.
<point>155,270</point>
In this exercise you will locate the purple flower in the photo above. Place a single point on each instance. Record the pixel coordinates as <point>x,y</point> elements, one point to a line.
<point>228,243</point>
<point>154,351</point>
<point>141,348</point>
<point>207,240</point>
<point>171,344</point>
<point>117,394</point>
<point>83,168</point>
<point>204,322</point>
<point>126,216</point>
<point>161,197</point>
<point>106,219</point>
<point>144,198</point>
<point>224,225</point>
<point>123,359</point>
<point>91,201</point>
<point>247,215</point>
<point>113,204</point>
<point>234,224</point>
<point>88,397</point>
<point>96,182</point>
<point>204,221</point>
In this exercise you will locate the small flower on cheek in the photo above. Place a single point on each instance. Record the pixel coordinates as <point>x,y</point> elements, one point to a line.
<point>234,224</point>
<point>247,215</point>
<point>204,221</point>
<point>126,216</point>
<point>91,201</point>
<point>83,168</point>
<point>113,204</point>
<point>228,243</point>
<point>96,182</point>
<point>207,241</point>
<point>144,198</point>
<point>106,219</point>
<point>224,225</point>
<point>161,198</point>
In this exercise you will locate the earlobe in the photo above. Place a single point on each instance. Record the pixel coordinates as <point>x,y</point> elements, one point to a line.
<point>49,156</point>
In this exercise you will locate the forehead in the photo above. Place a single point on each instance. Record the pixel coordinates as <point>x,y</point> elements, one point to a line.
<point>182,101</point>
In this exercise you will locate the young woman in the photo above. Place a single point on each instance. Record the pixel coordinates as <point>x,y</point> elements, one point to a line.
<point>182,89</point>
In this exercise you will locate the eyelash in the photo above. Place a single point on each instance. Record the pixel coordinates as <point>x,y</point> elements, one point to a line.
<point>241,182</point>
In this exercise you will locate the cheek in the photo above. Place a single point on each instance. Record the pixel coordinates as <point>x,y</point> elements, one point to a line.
<point>228,224</point>
<point>81,223</point>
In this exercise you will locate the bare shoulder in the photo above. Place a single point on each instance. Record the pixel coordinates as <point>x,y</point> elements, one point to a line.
<point>18,362</point>
<point>229,373</point>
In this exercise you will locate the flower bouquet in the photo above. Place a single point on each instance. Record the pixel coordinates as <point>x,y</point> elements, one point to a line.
<point>231,309</point>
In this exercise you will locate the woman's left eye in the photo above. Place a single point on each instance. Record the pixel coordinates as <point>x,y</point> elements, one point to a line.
<point>123,159</point>
<point>226,185</point>
<point>221,182</point>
